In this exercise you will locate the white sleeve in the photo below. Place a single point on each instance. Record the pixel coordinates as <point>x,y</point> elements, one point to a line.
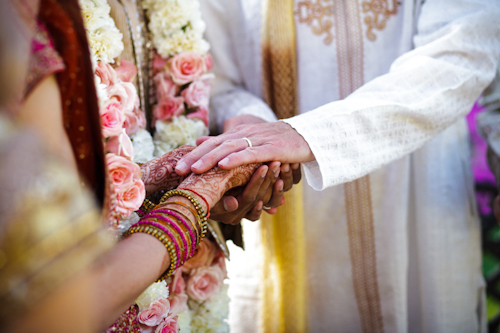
<point>229,97</point>
<point>427,89</point>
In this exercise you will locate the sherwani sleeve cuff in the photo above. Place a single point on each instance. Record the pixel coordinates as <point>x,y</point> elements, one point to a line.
<point>312,170</point>
<point>237,102</point>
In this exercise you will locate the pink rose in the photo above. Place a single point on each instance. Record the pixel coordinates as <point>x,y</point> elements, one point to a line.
<point>220,260</point>
<point>157,311</point>
<point>126,95</point>
<point>120,145</point>
<point>169,325</point>
<point>126,71</point>
<point>204,283</point>
<point>122,172</point>
<point>169,108</point>
<point>186,67</point>
<point>197,94</point>
<point>146,329</point>
<point>112,119</point>
<point>201,113</point>
<point>178,285</point>
<point>178,303</point>
<point>165,87</point>
<point>159,63</point>
<point>106,73</point>
<point>203,256</point>
<point>209,62</point>
<point>134,121</point>
<point>131,198</point>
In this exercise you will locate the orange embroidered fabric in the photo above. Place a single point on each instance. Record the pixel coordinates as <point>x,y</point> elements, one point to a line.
<point>378,13</point>
<point>318,15</point>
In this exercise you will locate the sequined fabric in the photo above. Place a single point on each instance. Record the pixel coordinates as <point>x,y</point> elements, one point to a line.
<point>127,323</point>
<point>44,59</point>
<point>50,230</point>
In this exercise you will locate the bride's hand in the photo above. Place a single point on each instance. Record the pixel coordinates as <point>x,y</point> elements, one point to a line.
<point>158,174</point>
<point>275,141</point>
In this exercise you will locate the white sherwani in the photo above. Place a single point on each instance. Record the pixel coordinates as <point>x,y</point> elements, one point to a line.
<point>422,66</point>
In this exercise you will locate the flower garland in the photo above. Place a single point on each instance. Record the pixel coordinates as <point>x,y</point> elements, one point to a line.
<point>198,295</point>
<point>180,73</point>
<point>195,298</point>
<point>119,110</point>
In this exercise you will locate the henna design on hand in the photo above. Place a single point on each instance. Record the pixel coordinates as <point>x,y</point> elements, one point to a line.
<point>158,174</point>
<point>215,182</point>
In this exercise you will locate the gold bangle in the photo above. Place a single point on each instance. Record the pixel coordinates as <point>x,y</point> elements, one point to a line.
<point>194,202</point>
<point>194,212</point>
<point>146,207</point>
<point>163,238</point>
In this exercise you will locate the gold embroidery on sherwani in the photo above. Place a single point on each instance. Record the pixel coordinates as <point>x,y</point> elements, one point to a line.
<point>377,13</point>
<point>318,15</point>
<point>283,290</point>
<point>360,222</point>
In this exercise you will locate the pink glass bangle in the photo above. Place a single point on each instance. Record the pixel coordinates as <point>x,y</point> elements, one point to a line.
<point>187,225</point>
<point>177,228</point>
<point>168,233</point>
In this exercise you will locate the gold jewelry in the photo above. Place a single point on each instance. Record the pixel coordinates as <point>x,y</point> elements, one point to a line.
<point>249,142</point>
<point>194,212</point>
<point>162,237</point>
<point>194,202</point>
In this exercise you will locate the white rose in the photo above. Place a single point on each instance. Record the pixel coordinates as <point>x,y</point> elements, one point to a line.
<point>155,291</point>
<point>106,43</point>
<point>180,131</point>
<point>102,95</point>
<point>95,13</point>
<point>211,316</point>
<point>143,146</point>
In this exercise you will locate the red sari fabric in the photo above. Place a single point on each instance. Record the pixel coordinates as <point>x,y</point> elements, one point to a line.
<point>80,108</point>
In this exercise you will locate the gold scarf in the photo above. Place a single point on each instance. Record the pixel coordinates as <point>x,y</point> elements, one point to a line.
<point>284,306</point>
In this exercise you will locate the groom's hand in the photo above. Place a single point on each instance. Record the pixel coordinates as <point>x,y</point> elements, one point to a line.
<point>246,144</point>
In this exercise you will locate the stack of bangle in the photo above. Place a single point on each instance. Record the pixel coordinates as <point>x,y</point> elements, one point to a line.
<point>180,237</point>
<point>197,206</point>
<point>146,207</point>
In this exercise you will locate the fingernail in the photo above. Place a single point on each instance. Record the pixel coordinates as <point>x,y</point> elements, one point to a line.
<point>277,173</point>
<point>264,172</point>
<point>275,170</point>
<point>280,187</point>
<point>286,168</point>
<point>225,206</point>
<point>197,165</point>
<point>259,206</point>
<point>295,166</point>
<point>224,161</point>
<point>181,166</point>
